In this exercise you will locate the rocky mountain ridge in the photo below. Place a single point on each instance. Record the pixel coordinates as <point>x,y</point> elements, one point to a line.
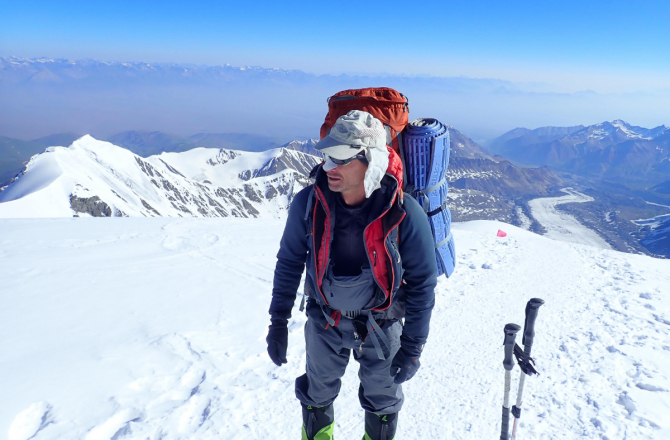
<point>100,179</point>
<point>15,153</point>
<point>482,186</point>
<point>610,150</point>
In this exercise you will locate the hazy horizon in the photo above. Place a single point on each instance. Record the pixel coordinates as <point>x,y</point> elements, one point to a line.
<point>105,98</point>
<point>483,68</point>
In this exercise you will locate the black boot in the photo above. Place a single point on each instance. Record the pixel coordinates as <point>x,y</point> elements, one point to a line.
<point>380,427</point>
<point>318,422</point>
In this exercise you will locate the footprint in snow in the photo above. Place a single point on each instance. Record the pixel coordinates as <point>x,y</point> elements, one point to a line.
<point>648,387</point>
<point>177,244</point>
<point>211,238</point>
<point>626,401</point>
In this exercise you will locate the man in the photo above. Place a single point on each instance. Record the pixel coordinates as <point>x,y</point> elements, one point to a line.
<point>370,260</point>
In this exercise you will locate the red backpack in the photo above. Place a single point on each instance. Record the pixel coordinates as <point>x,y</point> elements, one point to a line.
<point>389,106</point>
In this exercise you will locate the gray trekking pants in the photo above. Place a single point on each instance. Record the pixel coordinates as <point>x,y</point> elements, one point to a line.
<point>328,352</point>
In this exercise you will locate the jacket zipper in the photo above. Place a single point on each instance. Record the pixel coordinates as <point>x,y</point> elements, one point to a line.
<point>397,251</point>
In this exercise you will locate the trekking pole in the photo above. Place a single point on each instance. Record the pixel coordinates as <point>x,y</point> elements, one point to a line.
<point>524,360</point>
<point>510,335</point>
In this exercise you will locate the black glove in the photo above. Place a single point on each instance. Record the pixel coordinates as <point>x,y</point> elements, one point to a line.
<point>405,364</point>
<point>277,343</point>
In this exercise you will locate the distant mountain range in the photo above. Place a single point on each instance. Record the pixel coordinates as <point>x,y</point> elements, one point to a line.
<point>91,96</point>
<point>470,167</point>
<point>610,150</point>
<point>18,71</point>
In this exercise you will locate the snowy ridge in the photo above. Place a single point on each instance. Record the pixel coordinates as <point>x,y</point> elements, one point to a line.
<point>611,133</point>
<point>155,329</point>
<point>97,178</point>
<point>304,146</point>
<point>124,67</point>
<point>604,129</point>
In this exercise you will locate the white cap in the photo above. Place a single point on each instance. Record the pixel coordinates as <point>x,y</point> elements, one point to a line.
<point>353,132</point>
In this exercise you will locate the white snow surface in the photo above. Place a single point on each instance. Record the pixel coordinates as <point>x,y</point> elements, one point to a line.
<point>562,226</point>
<point>154,328</point>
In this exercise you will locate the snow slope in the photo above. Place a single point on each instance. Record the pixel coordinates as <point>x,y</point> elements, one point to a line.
<point>128,328</point>
<point>562,226</point>
<point>92,177</point>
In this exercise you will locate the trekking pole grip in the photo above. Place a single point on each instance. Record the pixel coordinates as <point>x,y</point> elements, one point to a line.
<point>510,335</point>
<point>529,326</point>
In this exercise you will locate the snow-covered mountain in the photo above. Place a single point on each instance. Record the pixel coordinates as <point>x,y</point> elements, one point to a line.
<point>16,70</point>
<point>619,130</point>
<point>304,146</point>
<point>613,149</point>
<point>97,178</point>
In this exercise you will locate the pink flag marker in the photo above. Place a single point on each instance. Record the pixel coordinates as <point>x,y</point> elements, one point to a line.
<point>502,233</point>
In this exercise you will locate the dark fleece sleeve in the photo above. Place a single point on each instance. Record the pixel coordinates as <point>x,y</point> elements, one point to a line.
<point>417,250</point>
<point>290,260</point>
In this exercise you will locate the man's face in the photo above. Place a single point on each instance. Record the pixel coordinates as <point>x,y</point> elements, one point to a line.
<point>347,178</point>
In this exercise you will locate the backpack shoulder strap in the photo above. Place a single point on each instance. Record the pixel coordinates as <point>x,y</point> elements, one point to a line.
<point>394,235</point>
<point>308,211</point>
<point>310,202</point>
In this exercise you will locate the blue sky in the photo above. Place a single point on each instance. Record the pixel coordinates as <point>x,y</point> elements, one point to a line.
<point>568,62</point>
<point>572,45</point>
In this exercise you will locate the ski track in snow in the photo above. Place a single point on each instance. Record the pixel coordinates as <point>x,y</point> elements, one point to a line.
<point>155,329</point>
<point>562,226</point>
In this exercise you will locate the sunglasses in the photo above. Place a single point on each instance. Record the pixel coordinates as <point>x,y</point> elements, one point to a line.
<point>344,162</point>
